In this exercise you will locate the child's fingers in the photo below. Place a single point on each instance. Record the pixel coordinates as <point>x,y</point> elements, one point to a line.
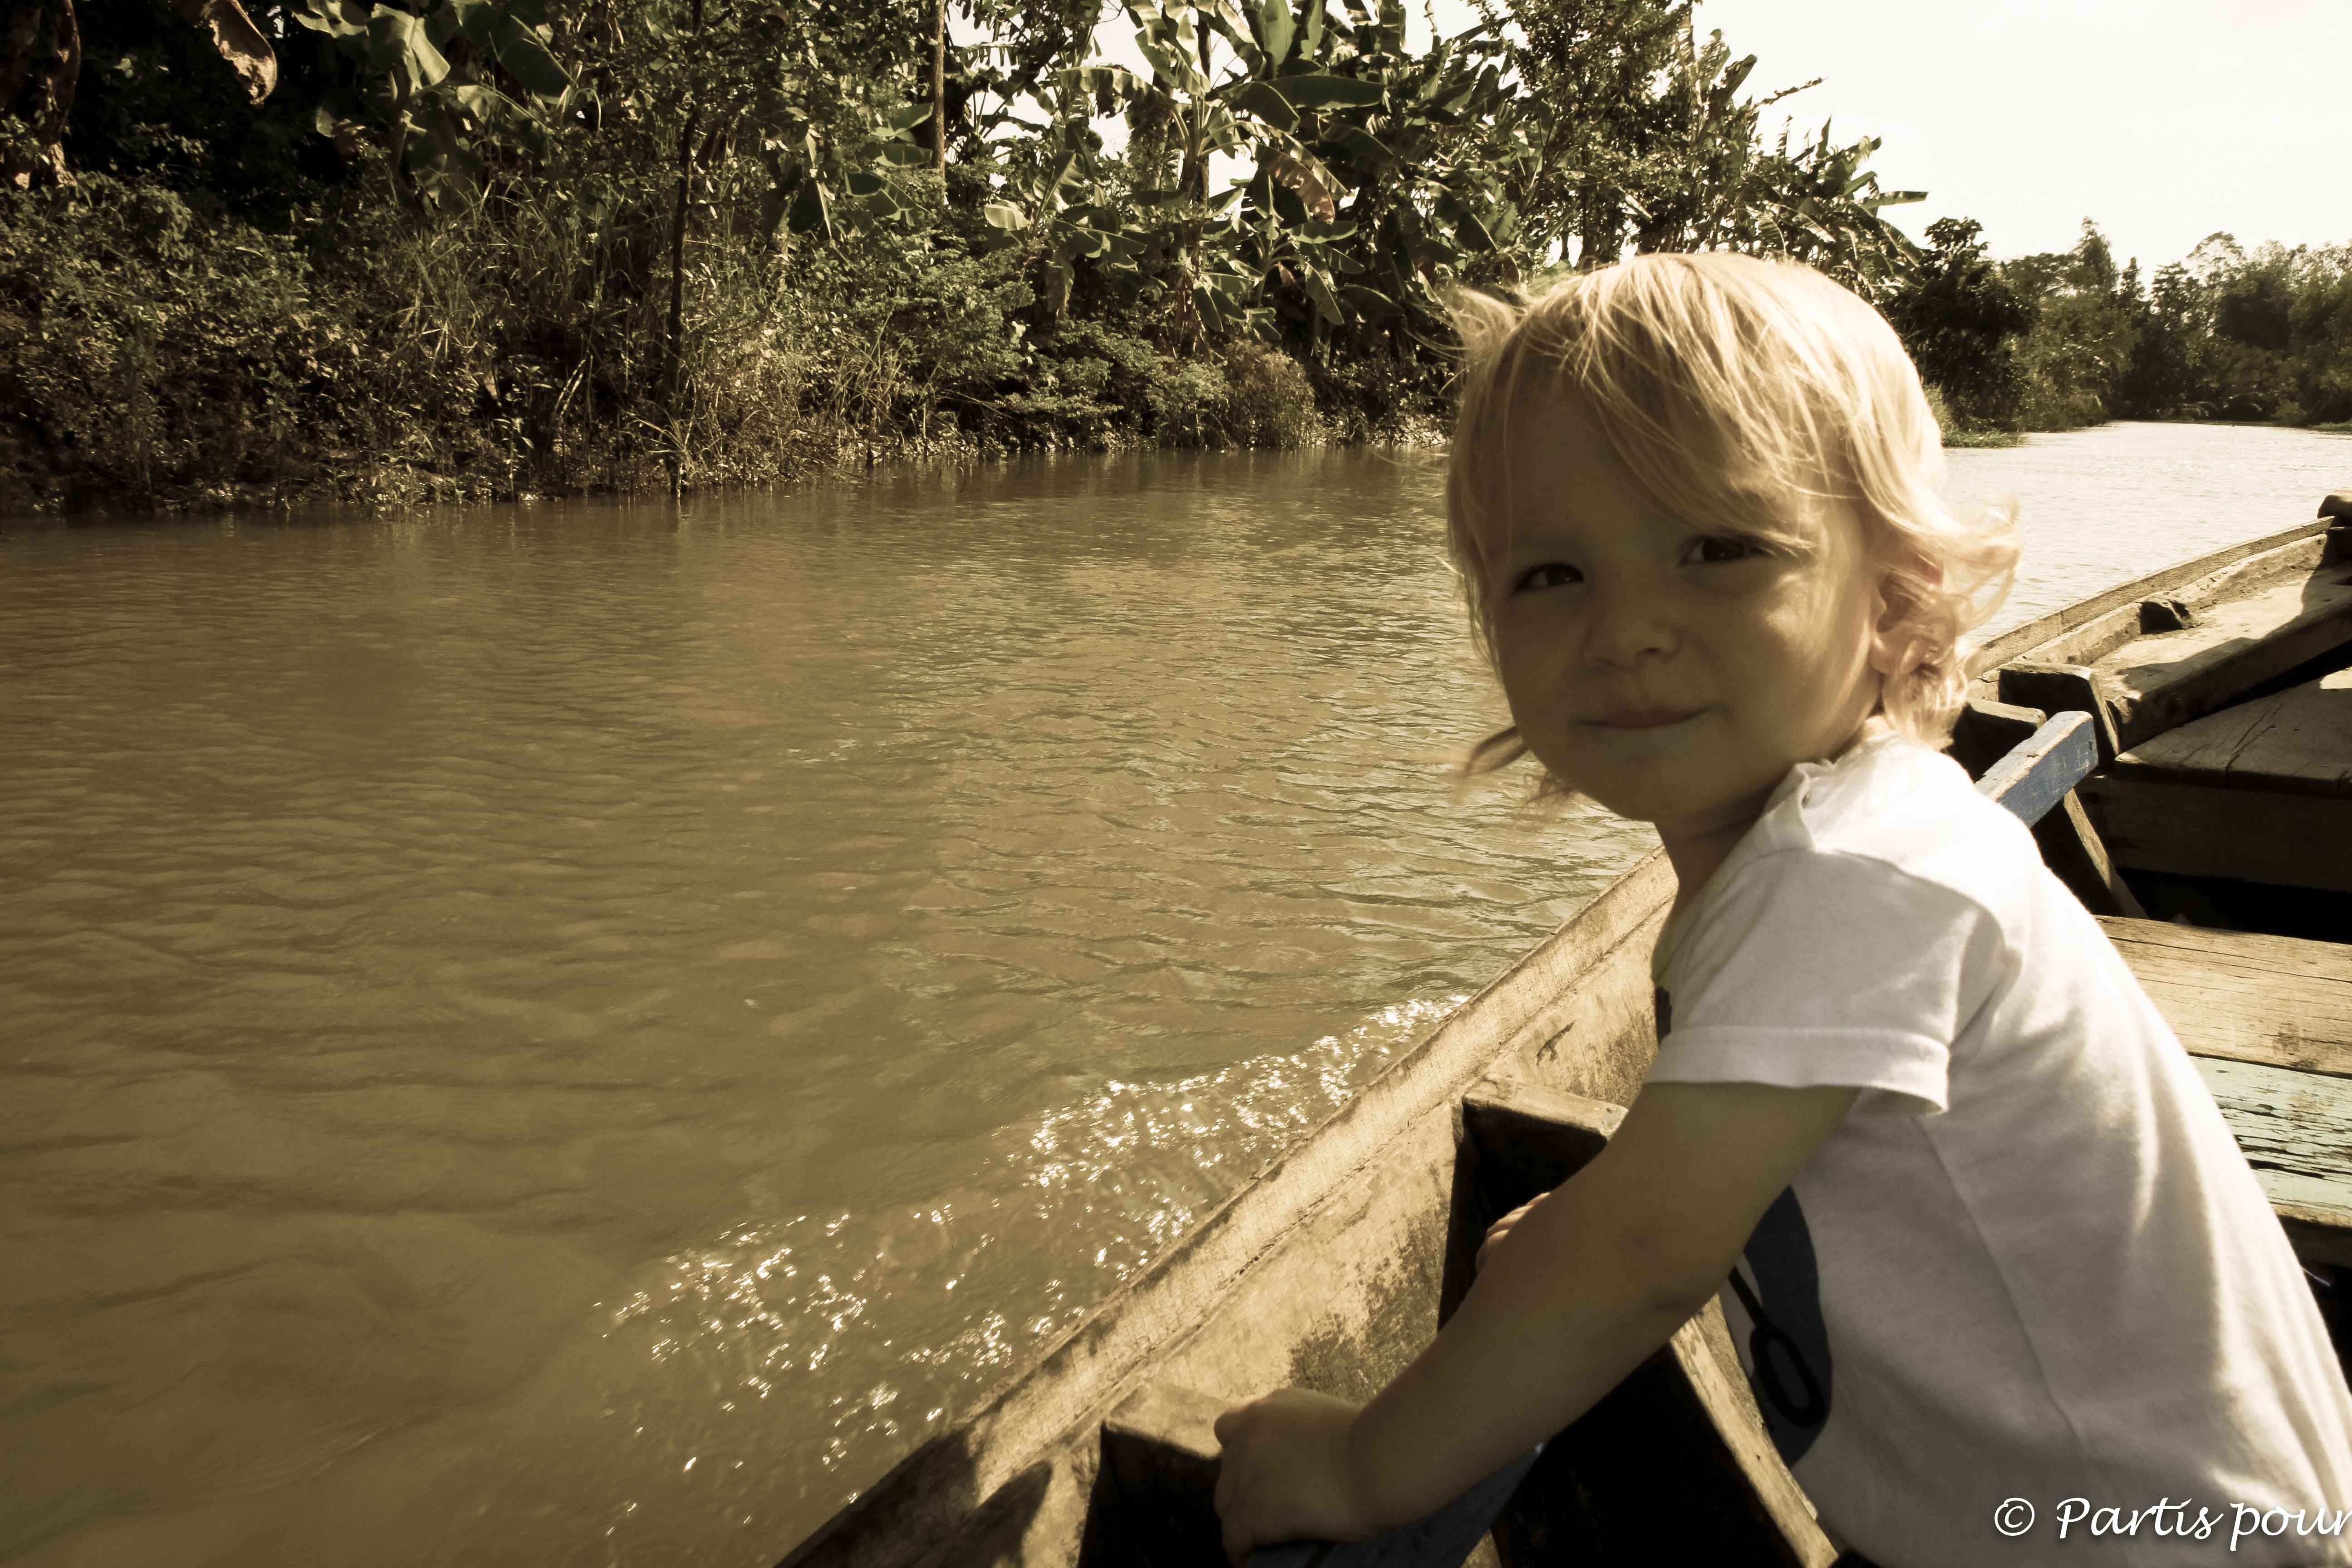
<point>1501,1228</point>
<point>1512,1218</point>
<point>1227,1427</point>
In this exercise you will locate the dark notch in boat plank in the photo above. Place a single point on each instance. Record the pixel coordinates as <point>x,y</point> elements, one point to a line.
<point>1986,731</point>
<point>2062,689</point>
<point>1159,1461</point>
<point>1531,1139</point>
<point>2199,830</point>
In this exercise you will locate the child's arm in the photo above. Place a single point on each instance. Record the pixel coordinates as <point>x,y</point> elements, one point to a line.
<point>1588,1283</point>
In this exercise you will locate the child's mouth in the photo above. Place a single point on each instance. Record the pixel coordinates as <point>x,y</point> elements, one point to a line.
<point>1641,718</point>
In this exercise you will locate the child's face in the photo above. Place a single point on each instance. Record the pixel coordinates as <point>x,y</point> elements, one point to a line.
<point>1673,673</point>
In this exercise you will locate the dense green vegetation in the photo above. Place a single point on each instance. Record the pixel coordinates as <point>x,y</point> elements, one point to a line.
<point>478,248</point>
<point>2054,341</point>
<point>409,249</point>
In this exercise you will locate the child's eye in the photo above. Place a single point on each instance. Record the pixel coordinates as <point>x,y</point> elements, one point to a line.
<point>1714,549</point>
<point>1550,575</point>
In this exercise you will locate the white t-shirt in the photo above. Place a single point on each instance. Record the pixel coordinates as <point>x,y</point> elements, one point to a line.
<point>2032,1263</point>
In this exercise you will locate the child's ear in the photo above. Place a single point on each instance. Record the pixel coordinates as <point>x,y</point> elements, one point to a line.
<point>1895,645</point>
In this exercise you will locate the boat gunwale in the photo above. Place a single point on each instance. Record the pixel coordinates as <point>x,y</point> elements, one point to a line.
<point>2019,641</point>
<point>1052,1399</point>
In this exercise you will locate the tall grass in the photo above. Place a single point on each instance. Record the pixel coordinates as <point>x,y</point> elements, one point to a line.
<point>157,351</point>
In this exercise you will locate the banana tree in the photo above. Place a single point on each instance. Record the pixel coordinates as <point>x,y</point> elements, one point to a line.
<point>432,88</point>
<point>1371,173</point>
<point>1821,205</point>
<point>40,67</point>
<point>1397,179</point>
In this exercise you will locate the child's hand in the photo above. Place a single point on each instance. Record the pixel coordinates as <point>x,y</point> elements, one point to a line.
<point>1283,1472</point>
<point>1502,1227</point>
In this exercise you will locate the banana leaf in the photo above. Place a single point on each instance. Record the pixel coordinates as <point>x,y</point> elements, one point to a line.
<point>1318,90</point>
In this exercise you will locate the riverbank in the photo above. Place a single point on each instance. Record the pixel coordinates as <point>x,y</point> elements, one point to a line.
<point>159,353</point>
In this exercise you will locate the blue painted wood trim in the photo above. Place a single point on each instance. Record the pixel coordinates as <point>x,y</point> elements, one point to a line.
<point>2296,1129</point>
<point>2035,777</point>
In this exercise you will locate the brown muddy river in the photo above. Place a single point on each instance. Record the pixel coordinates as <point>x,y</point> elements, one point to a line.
<point>578,1034</point>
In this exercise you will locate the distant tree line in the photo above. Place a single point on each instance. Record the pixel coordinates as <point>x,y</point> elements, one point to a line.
<point>402,249</point>
<point>2065,339</point>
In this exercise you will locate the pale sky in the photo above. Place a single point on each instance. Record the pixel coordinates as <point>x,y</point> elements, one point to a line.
<point>2165,120</point>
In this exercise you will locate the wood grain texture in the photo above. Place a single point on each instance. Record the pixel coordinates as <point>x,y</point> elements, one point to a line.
<point>2275,1001</point>
<point>2295,1129</point>
<point>2293,840</point>
<point>2299,740</point>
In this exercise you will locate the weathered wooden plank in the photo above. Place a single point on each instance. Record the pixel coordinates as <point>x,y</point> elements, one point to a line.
<point>2199,830</point>
<point>2275,1001</point>
<point>2240,578</point>
<point>2298,741</point>
<point>2295,1129</point>
<point>2095,638</point>
<point>2036,776</point>
<point>2158,683</point>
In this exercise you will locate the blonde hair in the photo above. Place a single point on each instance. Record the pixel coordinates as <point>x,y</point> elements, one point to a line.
<point>1730,385</point>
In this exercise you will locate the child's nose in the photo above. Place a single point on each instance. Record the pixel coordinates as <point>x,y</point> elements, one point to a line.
<point>1625,627</point>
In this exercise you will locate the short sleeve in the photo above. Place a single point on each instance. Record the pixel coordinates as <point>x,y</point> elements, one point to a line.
<point>1815,969</point>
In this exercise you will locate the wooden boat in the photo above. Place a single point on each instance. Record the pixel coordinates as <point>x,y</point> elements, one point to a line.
<point>2196,709</point>
<point>2214,840</point>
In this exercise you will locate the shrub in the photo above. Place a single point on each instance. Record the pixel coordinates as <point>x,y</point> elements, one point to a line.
<point>1270,401</point>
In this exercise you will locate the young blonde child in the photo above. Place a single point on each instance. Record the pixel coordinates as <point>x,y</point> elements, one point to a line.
<point>1979,1219</point>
